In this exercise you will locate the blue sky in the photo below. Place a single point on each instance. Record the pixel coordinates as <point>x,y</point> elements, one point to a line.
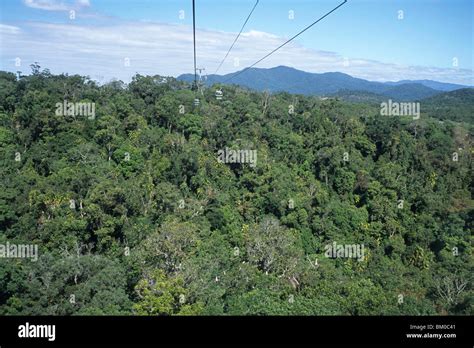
<point>365,38</point>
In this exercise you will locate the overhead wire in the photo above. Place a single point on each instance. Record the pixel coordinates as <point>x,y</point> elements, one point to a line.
<point>237,37</point>
<point>286,42</point>
<point>194,43</point>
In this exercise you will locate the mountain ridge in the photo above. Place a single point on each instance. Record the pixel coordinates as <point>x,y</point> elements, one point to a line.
<point>291,80</point>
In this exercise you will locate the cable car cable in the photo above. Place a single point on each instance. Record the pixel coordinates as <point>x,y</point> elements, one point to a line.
<point>194,42</point>
<point>237,37</point>
<point>276,49</point>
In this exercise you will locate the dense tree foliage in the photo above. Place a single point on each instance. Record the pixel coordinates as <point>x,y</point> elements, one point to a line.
<point>134,214</point>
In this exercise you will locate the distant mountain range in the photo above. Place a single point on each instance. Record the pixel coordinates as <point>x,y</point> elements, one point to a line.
<point>283,78</point>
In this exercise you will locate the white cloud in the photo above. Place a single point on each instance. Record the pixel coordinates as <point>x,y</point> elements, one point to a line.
<point>166,49</point>
<point>55,5</point>
<point>8,29</point>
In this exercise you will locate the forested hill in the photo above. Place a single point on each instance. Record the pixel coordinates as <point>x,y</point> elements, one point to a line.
<point>454,106</point>
<point>135,209</point>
